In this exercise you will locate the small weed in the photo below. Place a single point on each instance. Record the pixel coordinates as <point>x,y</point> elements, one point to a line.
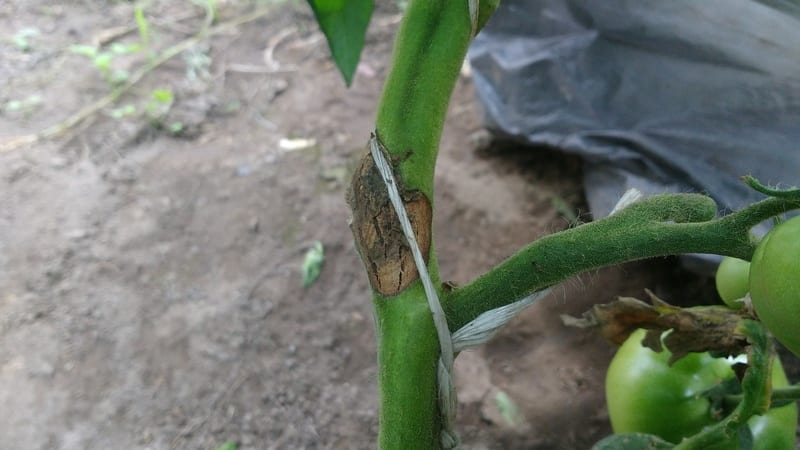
<point>198,63</point>
<point>159,104</point>
<point>142,25</point>
<point>157,108</point>
<point>123,111</point>
<point>104,57</point>
<point>103,60</point>
<point>312,264</point>
<point>175,128</point>
<point>25,106</point>
<point>88,51</point>
<point>230,445</point>
<point>22,39</point>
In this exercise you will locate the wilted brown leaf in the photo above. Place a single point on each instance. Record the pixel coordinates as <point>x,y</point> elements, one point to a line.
<point>697,329</point>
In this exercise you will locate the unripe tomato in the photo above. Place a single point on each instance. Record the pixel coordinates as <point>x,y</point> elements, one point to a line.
<point>732,280</point>
<point>775,283</point>
<point>646,395</point>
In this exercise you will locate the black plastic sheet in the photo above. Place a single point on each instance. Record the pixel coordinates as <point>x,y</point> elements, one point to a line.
<point>662,96</point>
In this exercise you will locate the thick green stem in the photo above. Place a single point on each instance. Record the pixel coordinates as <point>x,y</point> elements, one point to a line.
<point>407,354</point>
<point>430,48</point>
<point>657,226</point>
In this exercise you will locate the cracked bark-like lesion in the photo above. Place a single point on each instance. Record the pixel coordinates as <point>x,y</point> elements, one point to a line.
<point>377,232</point>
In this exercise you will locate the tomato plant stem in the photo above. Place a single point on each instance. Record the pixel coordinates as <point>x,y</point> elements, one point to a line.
<point>661,225</point>
<point>407,354</point>
<point>789,393</point>
<point>779,395</point>
<point>429,50</point>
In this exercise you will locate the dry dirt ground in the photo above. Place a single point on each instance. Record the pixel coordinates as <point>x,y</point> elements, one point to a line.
<point>150,287</point>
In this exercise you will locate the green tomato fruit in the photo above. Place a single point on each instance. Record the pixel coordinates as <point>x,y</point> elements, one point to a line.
<point>775,283</point>
<point>646,395</point>
<point>732,281</point>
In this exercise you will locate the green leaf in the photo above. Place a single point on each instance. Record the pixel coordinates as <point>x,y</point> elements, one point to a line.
<point>312,264</point>
<point>85,50</point>
<point>230,445</point>
<point>344,23</point>
<point>103,61</point>
<point>118,48</point>
<point>22,38</point>
<point>24,105</point>
<point>162,96</point>
<point>123,111</point>
<point>159,104</point>
<point>632,441</point>
<point>175,128</point>
<point>142,25</point>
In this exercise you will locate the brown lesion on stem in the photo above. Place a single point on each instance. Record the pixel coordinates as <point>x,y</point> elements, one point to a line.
<point>377,232</point>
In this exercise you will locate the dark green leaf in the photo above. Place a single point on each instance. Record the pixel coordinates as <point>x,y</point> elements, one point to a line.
<point>344,23</point>
<point>632,441</point>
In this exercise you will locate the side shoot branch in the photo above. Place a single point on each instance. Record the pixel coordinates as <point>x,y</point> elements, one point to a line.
<point>661,225</point>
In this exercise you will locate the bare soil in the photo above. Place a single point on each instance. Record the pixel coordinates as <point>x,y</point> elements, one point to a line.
<point>150,285</point>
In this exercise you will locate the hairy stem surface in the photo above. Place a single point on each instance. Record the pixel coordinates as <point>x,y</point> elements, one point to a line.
<point>661,225</point>
<point>429,50</point>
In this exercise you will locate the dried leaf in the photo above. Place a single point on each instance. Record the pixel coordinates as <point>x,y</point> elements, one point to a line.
<point>697,329</point>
